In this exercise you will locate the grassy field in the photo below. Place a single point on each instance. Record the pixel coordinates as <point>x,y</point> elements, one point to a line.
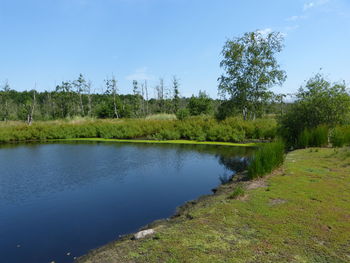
<point>301,213</point>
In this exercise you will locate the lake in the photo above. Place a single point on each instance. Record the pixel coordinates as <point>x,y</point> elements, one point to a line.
<point>60,200</point>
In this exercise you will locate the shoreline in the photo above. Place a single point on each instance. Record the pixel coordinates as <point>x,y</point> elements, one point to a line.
<point>188,142</point>
<point>182,213</point>
<point>271,220</point>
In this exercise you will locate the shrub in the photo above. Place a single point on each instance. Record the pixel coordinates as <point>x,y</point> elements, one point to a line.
<point>199,128</point>
<point>226,109</point>
<point>266,158</point>
<point>200,105</point>
<point>182,114</point>
<point>167,135</point>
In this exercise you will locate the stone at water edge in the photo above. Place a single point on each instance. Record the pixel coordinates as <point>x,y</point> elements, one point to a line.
<point>144,233</point>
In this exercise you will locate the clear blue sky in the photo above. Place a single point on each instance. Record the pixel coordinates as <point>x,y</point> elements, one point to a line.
<point>48,41</point>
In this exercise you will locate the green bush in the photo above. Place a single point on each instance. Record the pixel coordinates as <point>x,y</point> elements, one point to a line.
<point>182,114</point>
<point>266,158</point>
<point>167,135</point>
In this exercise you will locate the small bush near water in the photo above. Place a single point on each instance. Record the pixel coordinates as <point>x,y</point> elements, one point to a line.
<point>266,158</point>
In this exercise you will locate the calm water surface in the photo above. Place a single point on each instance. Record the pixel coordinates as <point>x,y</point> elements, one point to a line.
<point>69,198</point>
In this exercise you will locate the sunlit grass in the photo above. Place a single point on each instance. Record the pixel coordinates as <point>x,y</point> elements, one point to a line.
<point>161,116</point>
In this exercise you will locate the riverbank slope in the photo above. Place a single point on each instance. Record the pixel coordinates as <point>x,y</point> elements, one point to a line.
<point>301,213</point>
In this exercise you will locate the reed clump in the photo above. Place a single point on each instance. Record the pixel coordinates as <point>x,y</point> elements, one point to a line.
<point>340,136</point>
<point>268,157</point>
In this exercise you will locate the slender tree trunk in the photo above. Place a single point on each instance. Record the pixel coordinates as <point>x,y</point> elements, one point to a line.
<point>6,111</point>
<point>81,104</point>
<point>146,90</point>
<point>89,99</point>
<point>245,113</point>
<point>115,106</point>
<point>31,112</point>
<point>143,99</point>
<point>90,105</point>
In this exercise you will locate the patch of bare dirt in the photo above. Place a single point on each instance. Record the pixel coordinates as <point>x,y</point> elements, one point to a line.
<point>277,201</point>
<point>243,197</point>
<point>257,184</point>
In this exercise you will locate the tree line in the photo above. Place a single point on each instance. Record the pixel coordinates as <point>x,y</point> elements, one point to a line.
<point>76,99</point>
<point>250,70</point>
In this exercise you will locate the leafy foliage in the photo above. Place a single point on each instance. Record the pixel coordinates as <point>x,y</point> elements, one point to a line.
<point>182,114</point>
<point>318,103</point>
<point>251,68</point>
<point>200,105</point>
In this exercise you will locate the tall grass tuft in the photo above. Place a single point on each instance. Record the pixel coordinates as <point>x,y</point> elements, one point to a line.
<point>317,137</point>
<point>340,136</point>
<point>268,157</point>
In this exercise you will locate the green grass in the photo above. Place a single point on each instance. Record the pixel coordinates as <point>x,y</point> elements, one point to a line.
<point>300,214</point>
<point>161,116</point>
<point>237,192</point>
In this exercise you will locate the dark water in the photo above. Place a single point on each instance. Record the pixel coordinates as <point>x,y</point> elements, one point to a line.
<point>69,198</point>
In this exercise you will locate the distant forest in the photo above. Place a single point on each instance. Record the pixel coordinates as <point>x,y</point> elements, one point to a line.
<point>75,99</point>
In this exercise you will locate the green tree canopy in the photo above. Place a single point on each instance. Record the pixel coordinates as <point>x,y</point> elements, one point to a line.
<point>251,69</point>
<point>200,105</point>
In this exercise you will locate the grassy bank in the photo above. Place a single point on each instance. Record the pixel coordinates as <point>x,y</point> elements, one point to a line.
<point>195,129</point>
<point>301,213</point>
